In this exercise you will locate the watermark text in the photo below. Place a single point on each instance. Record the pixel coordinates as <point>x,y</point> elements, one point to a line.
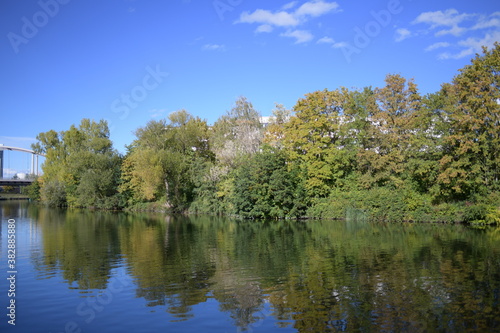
<point>11,272</point>
<point>363,36</point>
<point>31,26</point>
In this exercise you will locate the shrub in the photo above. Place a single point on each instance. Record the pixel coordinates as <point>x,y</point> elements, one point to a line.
<point>53,193</point>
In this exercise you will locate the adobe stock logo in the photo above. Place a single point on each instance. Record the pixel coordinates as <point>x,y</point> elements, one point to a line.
<point>30,27</point>
<point>222,6</point>
<point>139,93</point>
<point>363,37</point>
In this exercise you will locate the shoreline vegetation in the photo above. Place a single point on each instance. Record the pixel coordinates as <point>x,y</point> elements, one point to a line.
<point>385,154</point>
<point>13,196</point>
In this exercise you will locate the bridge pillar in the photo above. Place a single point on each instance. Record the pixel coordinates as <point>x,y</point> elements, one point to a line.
<point>1,164</point>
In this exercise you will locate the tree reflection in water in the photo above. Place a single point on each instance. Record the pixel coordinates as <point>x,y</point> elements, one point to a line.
<point>314,276</point>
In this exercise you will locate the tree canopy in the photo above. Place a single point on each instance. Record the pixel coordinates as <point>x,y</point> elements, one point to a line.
<point>388,152</point>
<point>81,166</point>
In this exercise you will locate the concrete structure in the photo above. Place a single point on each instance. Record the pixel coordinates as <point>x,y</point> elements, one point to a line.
<point>15,182</point>
<point>34,158</point>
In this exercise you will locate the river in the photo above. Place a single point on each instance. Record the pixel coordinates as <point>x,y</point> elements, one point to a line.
<point>94,271</point>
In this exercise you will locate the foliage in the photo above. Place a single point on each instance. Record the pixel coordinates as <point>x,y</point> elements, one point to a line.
<point>33,190</point>
<point>161,163</point>
<point>53,193</point>
<point>8,189</point>
<point>275,132</point>
<point>81,168</point>
<point>385,153</point>
<point>471,156</point>
<point>265,188</point>
<point>237,134</point>
<point>313,140</point>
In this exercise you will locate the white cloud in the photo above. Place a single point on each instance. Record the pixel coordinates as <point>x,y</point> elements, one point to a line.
<point>289,18</point>
<point>402,34</point>
<point>472,45</point>
<point>454,30</point>
<point>331,41</point>
<point>280,19</point>
<point>449,18</point>
<point>437,46</point>
<point>264,28</point>
<point>461,54</point>
<point>482,30</point>
<point>476,44</point>
<point>301,36</point>
<point>214,47</point>
<point>284,18</point>
<point>485,22</point>
<point>339,45</point>
<point>157,113</point>
<point>325,40</point>
<point>316,8</point>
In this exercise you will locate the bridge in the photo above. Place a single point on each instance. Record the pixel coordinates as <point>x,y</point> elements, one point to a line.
<point>34,166</point>
<point>15,182</point>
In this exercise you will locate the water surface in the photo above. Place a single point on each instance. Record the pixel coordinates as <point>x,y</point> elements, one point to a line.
<point>91,271</point>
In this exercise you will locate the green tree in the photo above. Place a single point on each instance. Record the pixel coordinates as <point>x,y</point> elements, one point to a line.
<point>81,167</point>
<point>432,128</point>
<point>33,190</point>
<point>313,140</point>
<point>264,187</point>
<point>393,132</point>
<point>275,131</point>
<point>162,160</point>
<point>471,154</point>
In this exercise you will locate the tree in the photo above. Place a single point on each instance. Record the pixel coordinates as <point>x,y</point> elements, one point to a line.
<point>160,162</point>
<point>264,187</point>
<point>313,140</point>
<point>432,128</point>
<point>81,167</point>
<point>33,190</point>
<point>238,133</point>
<point>470,163</point>
<point>393,132</point>
<point>275,131</point>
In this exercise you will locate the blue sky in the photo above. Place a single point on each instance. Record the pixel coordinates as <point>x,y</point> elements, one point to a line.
<point>130,61</point>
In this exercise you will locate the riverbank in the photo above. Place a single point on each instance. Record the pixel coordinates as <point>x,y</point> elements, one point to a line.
<point>13,196</point>
<point>375,206</point>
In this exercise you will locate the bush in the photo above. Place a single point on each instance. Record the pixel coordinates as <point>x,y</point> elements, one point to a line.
<point>33,190</point>
<point>493,215</point>
<point>264,187</point>
<point>447,213</point>
<point>53,194</point>
<point>386,204</point>
<point>481,213</point>
<point>333,207</point>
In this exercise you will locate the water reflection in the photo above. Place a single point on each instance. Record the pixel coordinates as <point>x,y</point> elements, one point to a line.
<point>315,276</point>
